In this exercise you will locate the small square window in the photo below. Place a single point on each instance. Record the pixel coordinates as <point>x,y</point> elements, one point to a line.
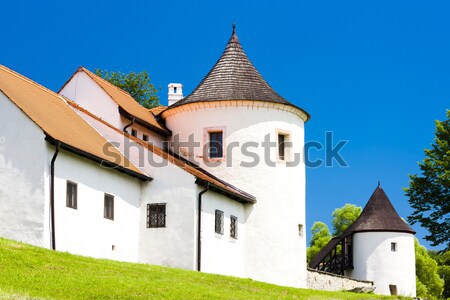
<point>71,198</point>
<point>219,222</point>
<point>216,144</point>
<point>134,132</point>
<point>393,247</point>
<point>281,147</point>
<point>156,215</point>
<point>233,227</point>
<point>145,138</point>
<point>109,207</point>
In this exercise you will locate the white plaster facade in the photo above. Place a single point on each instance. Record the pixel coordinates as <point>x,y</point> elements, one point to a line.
<point>275,250</point>
<point>23,176</point>
<point>83,90</point>
<point>374,260</point>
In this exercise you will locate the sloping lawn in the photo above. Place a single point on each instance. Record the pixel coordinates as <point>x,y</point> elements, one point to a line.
<point>28,272</point>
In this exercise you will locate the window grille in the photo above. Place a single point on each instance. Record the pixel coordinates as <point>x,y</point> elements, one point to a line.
<point>233,227</point>
<point>156,215</point>
<point>219,222</point>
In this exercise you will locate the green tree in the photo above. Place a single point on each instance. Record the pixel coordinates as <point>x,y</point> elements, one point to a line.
<point>344,217</point>
<point>138,85</point>
<point>320,236</point>
<point>429,193</point>
<point>428,282</point>
<point>443,261</point>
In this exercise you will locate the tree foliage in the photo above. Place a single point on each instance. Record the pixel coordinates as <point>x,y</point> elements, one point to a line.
<point>320,236</point>
<point>429,193</point>
<point>344,217</point>
<point>138,85</point>
<point>428,282</point>
<point>443,261</point>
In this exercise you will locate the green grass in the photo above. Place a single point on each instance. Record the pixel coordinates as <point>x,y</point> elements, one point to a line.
<point>28,272</point>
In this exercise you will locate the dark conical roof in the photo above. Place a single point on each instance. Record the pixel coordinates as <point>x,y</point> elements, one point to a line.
<point>379,215</point>
<point>233,77</point>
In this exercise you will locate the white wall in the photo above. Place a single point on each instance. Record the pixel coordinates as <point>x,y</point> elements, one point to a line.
<point>88,94</point>
<point>23,177</point>
<point>174,245</point>
<point>275,251</point>
<point>222,254</point>
<point>84,230</point>
<point>373,260</point>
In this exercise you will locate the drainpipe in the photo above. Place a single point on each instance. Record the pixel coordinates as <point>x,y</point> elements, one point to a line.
<point>199,228</point>
<point>52,195</point>
<point>128,125</point>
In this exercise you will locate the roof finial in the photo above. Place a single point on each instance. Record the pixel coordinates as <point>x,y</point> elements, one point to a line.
<point>379,184</point>
<point>234,28</point>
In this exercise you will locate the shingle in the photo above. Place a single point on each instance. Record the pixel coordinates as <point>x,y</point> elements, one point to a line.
<point>233,77</point>
<point>379,215</point>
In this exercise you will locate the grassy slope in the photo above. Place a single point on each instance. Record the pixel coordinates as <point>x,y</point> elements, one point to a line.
<point>27,271</point>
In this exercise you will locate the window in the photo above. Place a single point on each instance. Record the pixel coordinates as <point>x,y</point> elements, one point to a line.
<point>216,144</point>
<point>393,289</point>
<point>174,89</point>
<point>109,207</point>
<point>156,215</point>
<point>134,132</point>
<point>300,229</point>
<point>219,222</point>
<point>71,199</point>
<point>281,147</point>
<point>233,227</point>
<point>393,247</point>
<point>145,137</point>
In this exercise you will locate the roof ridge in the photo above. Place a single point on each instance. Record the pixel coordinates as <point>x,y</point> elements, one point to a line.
<point>105,81</point>
<point>34,83</point>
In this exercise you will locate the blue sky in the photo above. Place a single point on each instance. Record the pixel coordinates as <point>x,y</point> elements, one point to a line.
<point>376,73</point>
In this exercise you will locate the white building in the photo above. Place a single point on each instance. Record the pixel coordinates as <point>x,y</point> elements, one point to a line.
<point>91,172</point>
<point>378,247</point>
<point>214,182</point>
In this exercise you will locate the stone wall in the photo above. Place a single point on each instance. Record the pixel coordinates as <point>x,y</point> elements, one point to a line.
<point>319,280</point>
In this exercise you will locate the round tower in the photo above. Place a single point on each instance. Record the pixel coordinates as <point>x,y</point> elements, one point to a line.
<point>251,137</point>
<point>383,248</point>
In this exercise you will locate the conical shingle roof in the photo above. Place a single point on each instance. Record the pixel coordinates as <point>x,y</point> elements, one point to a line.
<point>233,77</point>
<point>379,215</point>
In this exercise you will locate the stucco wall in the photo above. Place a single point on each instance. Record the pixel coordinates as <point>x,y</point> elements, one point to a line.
<point>84,230</point>
<point>317,280</point>
<point>222,254</point>
<point>85,92</point>
<point>373,260</point>
<point>275,250</point>
<point>23,177</point>
<point>174,245</point>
